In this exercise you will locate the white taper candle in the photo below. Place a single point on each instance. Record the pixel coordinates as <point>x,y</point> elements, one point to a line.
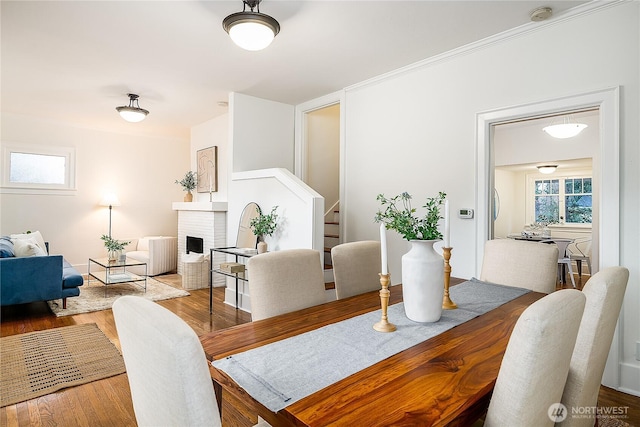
<point>383,248</point>
<point>447,240</point>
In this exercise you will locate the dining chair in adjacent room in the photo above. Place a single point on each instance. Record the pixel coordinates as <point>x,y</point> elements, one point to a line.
<point>564,261</point>
<point>535,365</point>
<point>604,292</point>
<point>356,267</point>
<point>285,281</point>
<point>579,251</point>
<point>519,263</point>
<point>166,366</point>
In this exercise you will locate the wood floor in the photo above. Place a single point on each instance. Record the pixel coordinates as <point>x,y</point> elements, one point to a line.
<point>108,402</point>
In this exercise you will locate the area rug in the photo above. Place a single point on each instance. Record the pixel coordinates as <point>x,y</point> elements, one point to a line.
<point>92,296</point>
<point>39,363</point>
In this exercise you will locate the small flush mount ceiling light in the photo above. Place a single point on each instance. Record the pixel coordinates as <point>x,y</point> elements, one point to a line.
<point>567,129</point>
<point>251,30</point>
<point>132,112</point>
<point>541,14</point>
<point>547,169</point>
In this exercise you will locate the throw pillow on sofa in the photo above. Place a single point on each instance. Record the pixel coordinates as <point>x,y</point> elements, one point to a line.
<point>27,247</point>
<point>36,236</point>
<point>6,247</point>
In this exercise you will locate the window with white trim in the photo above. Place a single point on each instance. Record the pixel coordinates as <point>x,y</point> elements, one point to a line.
<point>34,169</point>
<point>563,199</point>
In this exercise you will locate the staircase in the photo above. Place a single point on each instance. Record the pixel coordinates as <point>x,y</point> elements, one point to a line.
<point>331,239</point>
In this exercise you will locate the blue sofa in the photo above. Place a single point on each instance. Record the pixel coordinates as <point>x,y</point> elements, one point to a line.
<point>37,278</point>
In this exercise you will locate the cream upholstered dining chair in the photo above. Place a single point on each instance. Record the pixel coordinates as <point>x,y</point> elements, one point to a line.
<point>563,258</point>
<point>536,362</point>
<point>356,266</point>
<point>285,281</point>
<point>167,369</point>
<point>604,292</point>
<point>522,264</point>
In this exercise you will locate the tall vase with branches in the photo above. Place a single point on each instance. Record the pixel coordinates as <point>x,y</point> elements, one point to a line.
<point>422,266</point>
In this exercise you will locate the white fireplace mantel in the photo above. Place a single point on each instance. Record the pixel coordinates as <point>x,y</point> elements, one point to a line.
<point>200,206</point>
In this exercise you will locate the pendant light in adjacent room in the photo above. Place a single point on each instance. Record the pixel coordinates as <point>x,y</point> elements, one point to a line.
<point>251,30</point>
<point>568,128</point>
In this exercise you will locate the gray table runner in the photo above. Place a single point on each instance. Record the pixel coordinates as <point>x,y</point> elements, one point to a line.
<point>286,371</point>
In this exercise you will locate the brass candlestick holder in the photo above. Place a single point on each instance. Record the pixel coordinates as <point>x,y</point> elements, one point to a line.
<point>383,325</point>
<point>447,304</point>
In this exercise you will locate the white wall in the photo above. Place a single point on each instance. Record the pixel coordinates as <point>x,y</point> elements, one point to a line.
<point>214,132</point>
<point>323,152</point>
<point>262,133</point>
<point>414,131</point>
<point>140,170</point>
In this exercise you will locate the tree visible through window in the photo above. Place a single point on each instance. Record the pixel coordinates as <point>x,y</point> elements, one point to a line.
<point>566,200</point>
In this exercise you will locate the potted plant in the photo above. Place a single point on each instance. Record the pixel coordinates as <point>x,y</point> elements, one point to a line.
<point>422,266</point>
<point>264,225</point>
<point>188,184</point>
<point>114,247</point>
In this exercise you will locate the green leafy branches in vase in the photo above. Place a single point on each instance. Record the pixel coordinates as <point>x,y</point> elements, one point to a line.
<point>114,247</point>
<point>264,225</point>
<point>188,184</point>
<point>397,214</point>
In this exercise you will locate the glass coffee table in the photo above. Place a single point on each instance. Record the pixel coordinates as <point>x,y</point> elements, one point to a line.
<point>111,272</point>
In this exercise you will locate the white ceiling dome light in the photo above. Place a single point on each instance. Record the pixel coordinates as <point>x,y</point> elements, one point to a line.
<point>132,112</point>
<point>547,169</point>
<point>251,30</point>
<point>567,129</point>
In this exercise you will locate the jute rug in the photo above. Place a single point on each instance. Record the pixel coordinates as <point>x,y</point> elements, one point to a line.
<point>92,296</point>
<point>39,363</point>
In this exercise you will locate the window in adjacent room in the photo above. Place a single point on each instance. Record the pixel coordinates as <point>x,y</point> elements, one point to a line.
<point>33,168</point>
<point>565,200</point>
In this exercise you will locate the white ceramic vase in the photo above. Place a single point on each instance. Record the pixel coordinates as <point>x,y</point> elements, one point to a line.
<point>423,281</point>
<point>262,247</point>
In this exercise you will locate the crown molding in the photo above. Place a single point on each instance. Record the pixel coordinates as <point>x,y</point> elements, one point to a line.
<point>529,27</point>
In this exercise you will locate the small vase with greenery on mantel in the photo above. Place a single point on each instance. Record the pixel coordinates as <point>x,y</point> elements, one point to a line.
<point>114,247</point>
<point>188,184</point>
<point>422,266</point>
<point>264,225</point>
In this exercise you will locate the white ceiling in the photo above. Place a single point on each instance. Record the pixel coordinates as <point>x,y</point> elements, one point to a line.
<point>76,60</point>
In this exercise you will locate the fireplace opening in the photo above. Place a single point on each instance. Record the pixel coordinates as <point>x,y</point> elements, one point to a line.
<point>195,244</point>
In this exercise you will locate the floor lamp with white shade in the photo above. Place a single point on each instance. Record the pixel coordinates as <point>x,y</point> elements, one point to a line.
<point>110,200</point>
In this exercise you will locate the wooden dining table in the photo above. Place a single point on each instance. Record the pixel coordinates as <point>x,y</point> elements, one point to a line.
<point>445,380</point>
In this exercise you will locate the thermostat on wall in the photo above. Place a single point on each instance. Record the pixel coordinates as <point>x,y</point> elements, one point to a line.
<point>465,213</point>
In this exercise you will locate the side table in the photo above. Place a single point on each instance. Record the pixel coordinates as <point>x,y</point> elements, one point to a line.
<point>242,276</point>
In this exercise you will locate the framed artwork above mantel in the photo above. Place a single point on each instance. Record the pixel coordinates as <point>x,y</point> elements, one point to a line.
<point>207,161</point>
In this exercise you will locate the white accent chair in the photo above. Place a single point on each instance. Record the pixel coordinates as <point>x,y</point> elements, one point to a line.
<point>522,264</point>
<point>285,281</point>
<point>356,267</point>
<point>160,253</point>
<point>536,362</point>
<point>167,369</point>
<point>604,292</point>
